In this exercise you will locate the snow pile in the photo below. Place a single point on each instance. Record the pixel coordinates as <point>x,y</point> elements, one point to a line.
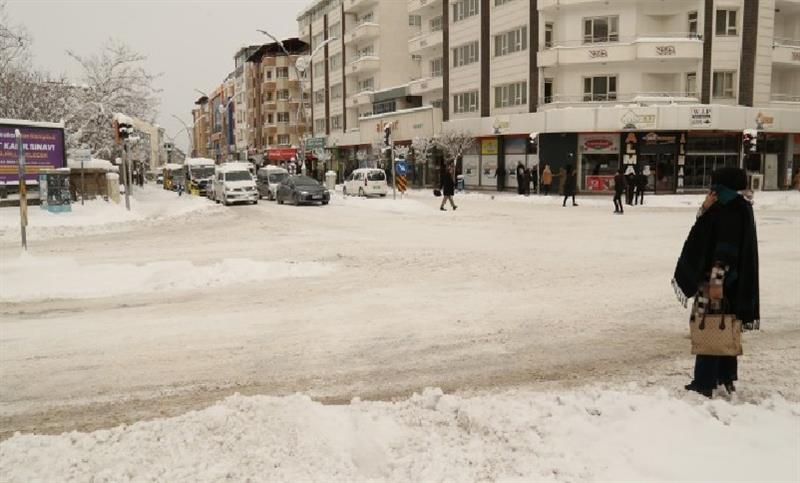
<point>21,278</point>
<point>148,204</point>
<point>587,435</point>
<point>93,163</point>
<point>388,204</point>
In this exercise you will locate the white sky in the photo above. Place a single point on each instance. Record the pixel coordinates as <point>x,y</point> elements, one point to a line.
<point>190,42</point>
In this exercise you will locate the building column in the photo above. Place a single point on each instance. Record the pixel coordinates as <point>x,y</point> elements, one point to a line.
<point>486,57</point>
<point>747,64</point>
<point>327,77</point>
<point>311,81</point>
<point>533,61</point>
<point>445,61</point>
<point>708,35</point>
<point>344,73</point>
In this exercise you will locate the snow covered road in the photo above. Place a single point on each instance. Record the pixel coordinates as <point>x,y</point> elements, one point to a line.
<point>501,293</point>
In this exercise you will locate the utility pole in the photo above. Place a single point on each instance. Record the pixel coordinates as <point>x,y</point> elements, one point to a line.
<point>389,148</point>
<point>23,193</point>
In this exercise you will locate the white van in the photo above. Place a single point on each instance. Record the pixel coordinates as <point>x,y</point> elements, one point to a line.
<point>268,180</point>
<point>366,182</point>
<point>233,183</point>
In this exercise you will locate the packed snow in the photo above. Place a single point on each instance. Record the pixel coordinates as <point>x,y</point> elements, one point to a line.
<point>588,435</point>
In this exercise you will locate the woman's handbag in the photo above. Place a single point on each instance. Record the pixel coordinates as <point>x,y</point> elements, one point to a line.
<point>437,193</point>
<point>716,335</point>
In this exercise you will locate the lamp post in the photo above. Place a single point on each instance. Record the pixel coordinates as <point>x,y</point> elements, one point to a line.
<point>189,133</point>
<point>300,67</point>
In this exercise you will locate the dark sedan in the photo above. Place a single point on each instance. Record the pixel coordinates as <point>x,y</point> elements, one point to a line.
<point>302,189</point>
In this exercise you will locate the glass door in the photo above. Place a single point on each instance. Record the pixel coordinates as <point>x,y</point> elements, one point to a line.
<point>660,171</point>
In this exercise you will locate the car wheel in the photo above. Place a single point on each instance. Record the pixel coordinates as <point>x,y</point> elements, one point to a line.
<point>324,202</point>
<point>383,195</point>
<point>361,192</point>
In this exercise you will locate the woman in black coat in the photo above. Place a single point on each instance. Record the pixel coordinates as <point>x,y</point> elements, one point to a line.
<point>718,266</point>
<point>448,186</point>
<point>620,185</point>
<point>570,185</point>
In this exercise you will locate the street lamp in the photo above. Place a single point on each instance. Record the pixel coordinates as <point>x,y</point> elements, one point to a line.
<point>188,132</point>
<point>300,67</point>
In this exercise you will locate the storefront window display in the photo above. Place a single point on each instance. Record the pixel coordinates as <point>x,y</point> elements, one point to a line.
<point>488,169</point>
<point>706,152</point>
<point>516,152</point>
<point>471,166</point>
<point>658,152</point>
<point>599,157</point>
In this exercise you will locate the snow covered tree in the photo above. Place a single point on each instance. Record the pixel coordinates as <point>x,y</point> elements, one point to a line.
<point>422,146</point>
<point>454,144</point>
<point>114,81</point>
<point>14,41</point>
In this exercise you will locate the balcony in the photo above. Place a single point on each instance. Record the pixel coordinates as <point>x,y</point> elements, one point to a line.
<point>416,6</point>
<point>785,98</point>
<point>361,99</point>
<point>661,47</point>
<point>363,65</point>
<point>363,31</point>
<point>355,6</point>
<point>786,51</point>
<point>639,98</point>
<point>425,42</point>
<point>424,86</point>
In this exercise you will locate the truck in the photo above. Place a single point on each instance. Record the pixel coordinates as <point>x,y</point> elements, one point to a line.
<point>44,151</point>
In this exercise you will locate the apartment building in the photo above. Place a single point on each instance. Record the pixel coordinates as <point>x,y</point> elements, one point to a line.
<point>242,135</point>
<point>201,128</point>
<point>664,87</point>
<point>365,76</point>
<point>275,123</point>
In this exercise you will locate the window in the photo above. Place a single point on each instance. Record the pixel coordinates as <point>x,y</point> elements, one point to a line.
<point>319,125</point>
<point>367,17</point>
<point>270,118</point>
<point>384,107</point>
<point>511,95</point>
<point>282,72</point>
<point>723,85</point>
<point>437,67</point>
<point>692,26</point>
<point>691,84</point>
<point>366,51</point>
<point>268,73</point>
<point>283,95</point>
<point>283,118</point>
<point>319,96</point>
<point>317,39</point>
<point>463,9</point>
<point>269,96</point>
<point>726,22</point>
<point>548,35</point>
<point>600,29</point>
<point>436,24</point>
<point>465,102</point>
<point>283,139</point>
<point>602,88</point>
<point>510,42</point>
<point>415,21</point>
<point>497,3</point>
<point>334,30</point>
<point>319,68</point>
<point>366,85</point>
<point>336,91</point>
<point>548,91</point>
<point>437,103</point>
<point>335,61</point>
<point>465,54</point>
<point>336,122</point>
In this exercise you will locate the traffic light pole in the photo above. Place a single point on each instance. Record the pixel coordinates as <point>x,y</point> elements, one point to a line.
<point>125,172</point>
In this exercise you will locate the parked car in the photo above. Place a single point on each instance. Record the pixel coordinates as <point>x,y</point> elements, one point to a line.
<point>302,189</point>
<point>366,182</point>
<point>268,180</point>
<point>233,183</point>
<point>160,179</point>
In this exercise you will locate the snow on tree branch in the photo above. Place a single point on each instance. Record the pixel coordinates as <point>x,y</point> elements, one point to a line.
<point>455,143</point>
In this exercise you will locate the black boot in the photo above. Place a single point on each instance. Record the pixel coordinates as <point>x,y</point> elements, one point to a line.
<point>692,387</point>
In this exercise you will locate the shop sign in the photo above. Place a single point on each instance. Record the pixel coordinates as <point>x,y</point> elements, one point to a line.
<point>701,117</point>
<point>639,118</point>
<point>599,183</point>
<point>654,138</point>
<point>499,124</point>
<point>281,154</point>
<point>315,143</point>
<point>665,50</point>
<point>598,53</point>
<point>489,146</point>
<point>764,122</point>
<point>599,143</point>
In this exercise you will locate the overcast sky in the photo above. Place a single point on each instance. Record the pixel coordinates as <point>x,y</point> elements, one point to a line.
<point>190,42</point>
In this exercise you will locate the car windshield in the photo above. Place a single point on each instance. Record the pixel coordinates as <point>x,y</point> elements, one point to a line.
<point>202,172</point>
<point>376,176</point>
<point>238,176</point>
<point>305,181</point>
<point>278,177</point>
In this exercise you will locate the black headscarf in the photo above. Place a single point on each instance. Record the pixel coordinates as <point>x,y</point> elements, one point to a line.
<point>698,254</point>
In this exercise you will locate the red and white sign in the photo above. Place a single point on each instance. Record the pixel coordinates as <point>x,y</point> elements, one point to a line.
<point>603,143</point>
<point>599,183</point>
<point>281,154</point>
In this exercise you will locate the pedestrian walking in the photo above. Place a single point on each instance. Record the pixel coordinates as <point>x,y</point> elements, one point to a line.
<point>547,179</point>
<point>620,186</point>
<point>630,185</point>
<point>448,186</point>
<point>718,267</point>
<point>520,178</point>
<point>641,186</point>
<point>533,179</point>
<point>570,185</point>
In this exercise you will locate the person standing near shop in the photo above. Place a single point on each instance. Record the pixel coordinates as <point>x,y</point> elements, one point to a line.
<point>570,185</point>
<point>641,186</point>
<point>620,186</point>
<point>718,267</point>
<point>630,185</point>
<point>520,178</point>
<point>547,179</point>
<point>448,185</point>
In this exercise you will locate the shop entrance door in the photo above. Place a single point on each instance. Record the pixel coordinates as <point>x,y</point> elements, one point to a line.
<point>771,172</point>
<point>662,177</point>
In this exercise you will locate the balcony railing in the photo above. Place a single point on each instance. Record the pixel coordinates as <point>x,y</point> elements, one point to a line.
<point>641,98</point>
<point>617,40</point>
<point>785,42</point>
<point>785,97</point>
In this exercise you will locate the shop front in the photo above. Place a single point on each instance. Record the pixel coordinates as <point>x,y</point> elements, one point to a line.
<point>516,153</point>
<point>281,155</point>
<point>707,151</point>
<point>658,156</point>
<point>599,158</point>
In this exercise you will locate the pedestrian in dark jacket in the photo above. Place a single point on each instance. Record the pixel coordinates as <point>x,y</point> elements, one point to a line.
<point>630,185</point>
<point>718,267</point>
<point>620,185</point>
<point>641,187</point>
<point>448,186</point>
<point>520,178</point>
<point>570,185</point>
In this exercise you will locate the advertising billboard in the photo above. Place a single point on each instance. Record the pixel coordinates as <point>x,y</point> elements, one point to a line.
<point>44,149</point>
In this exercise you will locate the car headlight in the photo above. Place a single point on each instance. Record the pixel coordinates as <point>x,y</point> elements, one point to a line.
<point>304,193</point>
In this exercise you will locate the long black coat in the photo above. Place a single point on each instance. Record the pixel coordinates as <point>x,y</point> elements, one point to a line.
<point>570,184</point>
<point>448,184</point>
<point>620,184</point>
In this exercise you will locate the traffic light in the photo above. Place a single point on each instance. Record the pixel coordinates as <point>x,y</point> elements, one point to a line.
<point>750,140</point>
<point>122,131</point>
<point>534,143</point>
<point>387,135</point>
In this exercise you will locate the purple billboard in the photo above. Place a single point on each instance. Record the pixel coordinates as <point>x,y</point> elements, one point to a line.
<point>44,149</point>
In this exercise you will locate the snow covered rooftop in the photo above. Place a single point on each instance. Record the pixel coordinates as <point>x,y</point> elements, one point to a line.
<point>229,167</point>
<point>93,163</point>
<point>199,162</point>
